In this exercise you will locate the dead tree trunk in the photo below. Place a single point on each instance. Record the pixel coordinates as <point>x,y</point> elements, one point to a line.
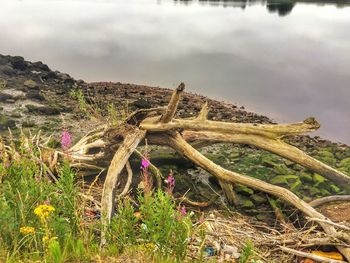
<point>111,146</point>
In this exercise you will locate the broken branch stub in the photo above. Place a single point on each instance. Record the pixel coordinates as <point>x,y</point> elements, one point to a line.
<point>172,106</point>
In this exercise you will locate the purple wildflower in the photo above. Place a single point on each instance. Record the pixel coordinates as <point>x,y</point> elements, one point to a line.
<point>170,183</point>
<point>145,163</point>
<point>146,178</point>
<point>66,140</point>
<point>183,211</point>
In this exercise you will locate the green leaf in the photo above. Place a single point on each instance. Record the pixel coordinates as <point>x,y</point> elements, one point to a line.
<point>318,179</point>
<point>284,179</point>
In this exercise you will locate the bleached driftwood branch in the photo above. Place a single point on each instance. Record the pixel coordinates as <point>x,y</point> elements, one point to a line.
<point>112,146</point>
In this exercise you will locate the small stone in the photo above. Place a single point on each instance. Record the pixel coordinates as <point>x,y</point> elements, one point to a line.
<point>16,115</point>
<point>217,246</point>
<point>35,94</point>
<point>43,110</point>
<point>230,249</point>
<point>5,97</point>
<point>210,251</point>
<point>30,84</point>
<point>41,66</point>
<point>19,63</point>
<point>28,124</point>
<point>7,70</point>
<point>236,255</point>
<point>49,75</point>
<point>6,123</point>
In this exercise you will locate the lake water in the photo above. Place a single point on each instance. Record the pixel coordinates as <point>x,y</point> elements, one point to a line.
<point>287,61</point>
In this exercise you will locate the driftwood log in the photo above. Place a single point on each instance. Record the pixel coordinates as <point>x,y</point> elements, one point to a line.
<point>111,146</point>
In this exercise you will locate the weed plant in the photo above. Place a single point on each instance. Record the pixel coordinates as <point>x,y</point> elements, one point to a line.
<point>88,110</point>
<point>111,112</point>
<point>158,228</point>
<point>45,220</point>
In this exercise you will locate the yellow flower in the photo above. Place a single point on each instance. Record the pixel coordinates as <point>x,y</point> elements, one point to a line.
<point>43,211</point>
<point>47,238</point>
<point>26,230</point>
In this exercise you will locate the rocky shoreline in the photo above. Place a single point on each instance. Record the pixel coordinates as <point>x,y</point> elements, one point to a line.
<point>32,96</point>
<point>31,90</point>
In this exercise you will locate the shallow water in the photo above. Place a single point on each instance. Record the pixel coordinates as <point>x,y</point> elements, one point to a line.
<point>286,61</point>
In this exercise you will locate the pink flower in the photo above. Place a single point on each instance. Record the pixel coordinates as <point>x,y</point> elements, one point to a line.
<point>66,140</point>
<point>145,163</point>
<point>170,183</point>
<point>183,211</point>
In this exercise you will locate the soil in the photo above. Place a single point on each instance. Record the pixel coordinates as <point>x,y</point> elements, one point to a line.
<point>338,212</point>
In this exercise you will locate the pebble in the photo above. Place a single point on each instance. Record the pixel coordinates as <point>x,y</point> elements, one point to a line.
<point>230,249</point>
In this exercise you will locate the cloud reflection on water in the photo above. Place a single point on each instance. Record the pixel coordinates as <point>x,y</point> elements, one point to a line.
<point>286,67</point>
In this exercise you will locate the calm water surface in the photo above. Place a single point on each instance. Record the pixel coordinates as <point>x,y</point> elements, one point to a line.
<point>287,61</point>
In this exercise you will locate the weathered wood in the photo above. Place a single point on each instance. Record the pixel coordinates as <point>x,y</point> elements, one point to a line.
<point>275,146</point>
<point>182,147</point>
<point>330,199</point>
<point>118,162</point>
<point>128,181</point>
<point>172,106</point>
<point>273,131</point>
<point>228,191</point>
<point>96,149</point>
<point>203,114</point>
